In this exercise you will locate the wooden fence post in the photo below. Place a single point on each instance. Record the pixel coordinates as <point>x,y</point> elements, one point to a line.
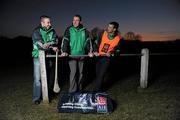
<point>43,76</point>
<point>144,68</point>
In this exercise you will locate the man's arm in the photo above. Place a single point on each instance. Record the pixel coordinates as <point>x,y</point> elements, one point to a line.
<point>37,39</point>
<point>88,45</point>
<point>97,42</point>
<point>65,41</point>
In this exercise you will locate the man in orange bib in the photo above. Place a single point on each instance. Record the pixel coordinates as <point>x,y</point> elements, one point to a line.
<point>106,45</point>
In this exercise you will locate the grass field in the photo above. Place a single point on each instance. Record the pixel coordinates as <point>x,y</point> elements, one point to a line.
<point>160,101</point>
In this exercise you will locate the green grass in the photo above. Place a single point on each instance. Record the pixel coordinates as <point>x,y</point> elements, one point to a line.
<point>158,102</point>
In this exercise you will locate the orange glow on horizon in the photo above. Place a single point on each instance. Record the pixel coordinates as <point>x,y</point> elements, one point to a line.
<point>159,37</point>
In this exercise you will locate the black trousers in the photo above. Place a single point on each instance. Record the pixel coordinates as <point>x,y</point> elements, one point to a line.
<point>102,65</point>
<point>50,67</point>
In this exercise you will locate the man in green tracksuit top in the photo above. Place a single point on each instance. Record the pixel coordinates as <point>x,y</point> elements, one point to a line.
<point>44,38</point>
<point>76,41</point>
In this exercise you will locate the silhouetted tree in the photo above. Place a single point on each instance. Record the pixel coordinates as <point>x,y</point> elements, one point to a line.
<point>130,36</point>
<point>138,37</point>
<point>94,32</point>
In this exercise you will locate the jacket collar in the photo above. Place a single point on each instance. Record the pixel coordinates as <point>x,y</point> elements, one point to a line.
<point>45,29</point>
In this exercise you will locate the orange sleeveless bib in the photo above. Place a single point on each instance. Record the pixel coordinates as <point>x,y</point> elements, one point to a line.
<point>108,45</point>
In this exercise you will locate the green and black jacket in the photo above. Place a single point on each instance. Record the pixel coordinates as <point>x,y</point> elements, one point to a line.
<point>76,41</point>
<point>42,35</point>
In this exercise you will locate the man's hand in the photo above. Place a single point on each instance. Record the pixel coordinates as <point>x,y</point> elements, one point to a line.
<point>64,54</point>
<point>45,45</point>
<point>90,54</point>
<point>96,54</point>
<point>55,49</point>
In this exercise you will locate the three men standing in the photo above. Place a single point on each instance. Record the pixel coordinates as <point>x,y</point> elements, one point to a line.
<point>77,42</point>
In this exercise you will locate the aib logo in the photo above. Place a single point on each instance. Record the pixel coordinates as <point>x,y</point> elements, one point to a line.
<point>102,101</point>
<point>102,105</point>
<point>105,48</point>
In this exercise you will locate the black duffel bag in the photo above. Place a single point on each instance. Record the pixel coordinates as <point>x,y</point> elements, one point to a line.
<point>87,102</point>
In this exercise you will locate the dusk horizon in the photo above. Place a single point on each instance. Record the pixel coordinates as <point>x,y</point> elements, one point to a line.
<point>153,20</point>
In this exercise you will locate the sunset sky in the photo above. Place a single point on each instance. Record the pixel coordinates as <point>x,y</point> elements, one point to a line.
<point>154,20</point>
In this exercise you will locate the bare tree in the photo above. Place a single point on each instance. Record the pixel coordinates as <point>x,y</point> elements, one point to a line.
<point>94,32</point>
<point>129,36</point>
<point>132,36</point>
<point>138,37</point>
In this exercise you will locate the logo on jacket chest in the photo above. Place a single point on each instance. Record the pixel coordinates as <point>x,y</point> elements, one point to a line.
<point>105,48</point>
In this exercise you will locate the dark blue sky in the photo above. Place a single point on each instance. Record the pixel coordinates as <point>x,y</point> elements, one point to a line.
<point>153,19</point>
